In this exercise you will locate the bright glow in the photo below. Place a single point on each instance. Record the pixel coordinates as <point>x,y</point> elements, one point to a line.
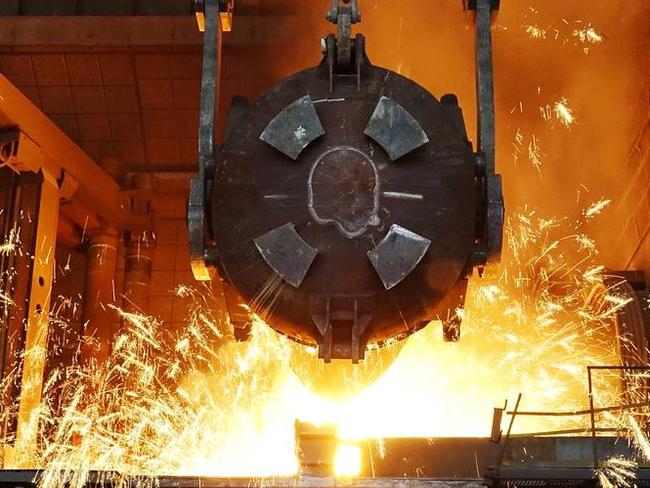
<point>535,153</point>
<point>348,460</point>
<point>597,208</point>
<point>617,472</point>
<point>563,112</point>
<point>11,243</point>
<point>199,403</point>
<point>641,441</point>
<point>560,111</point>
<point>588,35</point>
<point>535,32</point>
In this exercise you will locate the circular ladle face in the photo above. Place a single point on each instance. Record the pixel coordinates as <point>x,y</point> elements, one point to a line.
<point>348,217</point>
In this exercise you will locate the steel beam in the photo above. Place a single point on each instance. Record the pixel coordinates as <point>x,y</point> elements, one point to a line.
<point>62,158</point>
<point>486,125</point>
<point>485,83</point>
<point>41,274</point>
<point>200,185</point>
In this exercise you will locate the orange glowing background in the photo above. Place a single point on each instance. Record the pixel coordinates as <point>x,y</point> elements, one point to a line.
<point>568,111</point>
<point>605,84</point>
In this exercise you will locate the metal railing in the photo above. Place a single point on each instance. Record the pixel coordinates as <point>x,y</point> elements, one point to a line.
<point>592,411</point>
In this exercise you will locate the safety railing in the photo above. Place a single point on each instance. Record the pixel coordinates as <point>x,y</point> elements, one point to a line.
<point>592,411</point>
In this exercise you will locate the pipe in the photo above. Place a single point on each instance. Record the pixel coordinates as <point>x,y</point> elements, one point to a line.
<point>98,317</point>
<point>101,268</point>
<point>139,249</point>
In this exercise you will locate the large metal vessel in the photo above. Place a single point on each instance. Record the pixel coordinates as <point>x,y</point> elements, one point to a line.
<point>347,204</point>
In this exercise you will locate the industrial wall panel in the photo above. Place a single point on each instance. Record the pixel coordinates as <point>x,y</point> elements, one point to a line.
<point>9,7</point>
<point>164,7</point>
<point>48,7</point>
<point>102,7</point>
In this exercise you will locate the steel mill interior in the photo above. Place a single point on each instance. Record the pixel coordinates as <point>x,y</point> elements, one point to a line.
<point>355,243</point>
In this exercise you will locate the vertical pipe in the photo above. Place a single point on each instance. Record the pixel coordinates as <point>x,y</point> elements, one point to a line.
<point>101,268</point>
<point>98,318</point>
<point>137,277</point>
<point>139,251</point>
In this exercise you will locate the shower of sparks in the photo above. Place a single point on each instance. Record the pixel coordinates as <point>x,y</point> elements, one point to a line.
<point>546,112</point>
<point>535,153</point>
<point>11,243</point>
<point>559,111</point>
<point>563,112</point>
<point>196,402</point>
<point>5,299</point>
<point>582,33</point>
<point>617,472</point>
<point>519,139</point>
<point>588,35</point>
<point>639,437</point>
<point>596,208</point>
<point>535,32</point>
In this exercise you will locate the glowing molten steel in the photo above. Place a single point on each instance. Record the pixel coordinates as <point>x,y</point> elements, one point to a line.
<point>201,403</point>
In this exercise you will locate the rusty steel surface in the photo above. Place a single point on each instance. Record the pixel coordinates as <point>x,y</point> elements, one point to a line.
<point>342,194</point>
<point>286,253</point>
<point>394,129</point>
<point>398,254</point>
<point>293,129</point>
